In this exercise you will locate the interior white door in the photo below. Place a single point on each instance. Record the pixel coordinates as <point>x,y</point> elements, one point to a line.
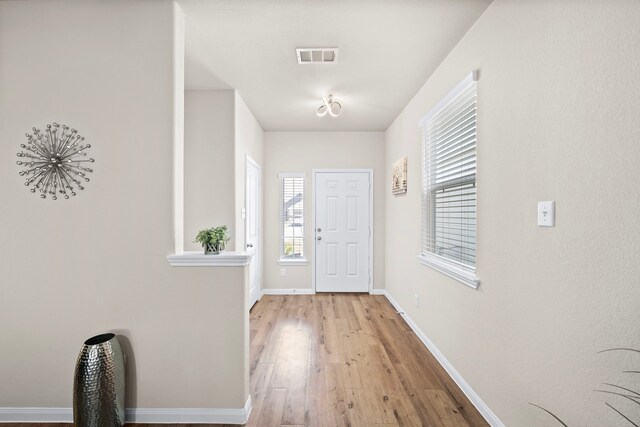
<point>342,231</point>
<point>253,190</point>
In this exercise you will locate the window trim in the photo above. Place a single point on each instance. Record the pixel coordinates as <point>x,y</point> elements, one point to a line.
<point>282,260</point>
<point>448,268</point>
<point>459,272</point>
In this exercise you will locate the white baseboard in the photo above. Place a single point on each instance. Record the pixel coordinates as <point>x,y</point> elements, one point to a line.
<point>136,415</point>
<point>378,292</point>
<point>36,415</point>
<point>190,415</point>
<point>491,418</point>
<point>287,292</point>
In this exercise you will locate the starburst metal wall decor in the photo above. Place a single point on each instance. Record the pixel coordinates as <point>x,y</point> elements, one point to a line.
<point>53,161</point>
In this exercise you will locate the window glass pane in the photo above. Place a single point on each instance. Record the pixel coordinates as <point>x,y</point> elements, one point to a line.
<point>292,216</point>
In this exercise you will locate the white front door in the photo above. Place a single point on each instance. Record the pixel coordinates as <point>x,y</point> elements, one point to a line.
<point>342,245</point>
<point>253,188</point>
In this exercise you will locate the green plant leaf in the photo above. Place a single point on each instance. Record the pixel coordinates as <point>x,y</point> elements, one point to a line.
<point>619,349</point>
<point>631,398</point>
<point>621,414</point>
<point>550,413</point>
<point>623,388</point>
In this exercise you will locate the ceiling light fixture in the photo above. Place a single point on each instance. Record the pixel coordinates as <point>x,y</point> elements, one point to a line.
<point>334,108</point>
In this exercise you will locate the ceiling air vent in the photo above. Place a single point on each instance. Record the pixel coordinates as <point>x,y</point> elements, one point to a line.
<point>317,55</point>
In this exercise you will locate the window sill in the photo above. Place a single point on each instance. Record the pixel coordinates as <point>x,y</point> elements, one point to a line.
<point>457,273</point>
<point>293,261</point>
<point>199,259</point>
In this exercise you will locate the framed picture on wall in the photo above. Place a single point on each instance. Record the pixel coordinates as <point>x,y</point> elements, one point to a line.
<point>399,176</point>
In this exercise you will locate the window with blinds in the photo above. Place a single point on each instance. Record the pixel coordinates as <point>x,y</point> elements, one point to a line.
<point>291,216</point>
<point>449,183</point>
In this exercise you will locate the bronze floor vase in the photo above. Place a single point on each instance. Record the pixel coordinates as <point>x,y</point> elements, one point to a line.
<point>98,386</point>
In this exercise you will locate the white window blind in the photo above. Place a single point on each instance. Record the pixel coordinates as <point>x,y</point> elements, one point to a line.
<point>291,216</point>
<point>449,179</point>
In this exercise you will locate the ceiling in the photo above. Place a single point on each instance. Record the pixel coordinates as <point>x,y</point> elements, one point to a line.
<point>387,50</point>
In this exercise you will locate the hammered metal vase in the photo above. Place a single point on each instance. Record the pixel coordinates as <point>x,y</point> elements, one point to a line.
<point>98,386</point>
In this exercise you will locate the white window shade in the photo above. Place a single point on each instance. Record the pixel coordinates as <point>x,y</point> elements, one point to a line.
<point>291,216</point>
<point>449,183</point>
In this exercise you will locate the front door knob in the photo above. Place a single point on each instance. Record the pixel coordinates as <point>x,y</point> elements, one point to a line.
<point>318,238</point>
<point>249,245</point>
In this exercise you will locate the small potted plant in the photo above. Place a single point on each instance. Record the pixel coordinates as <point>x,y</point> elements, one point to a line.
<point>222,236</point>
<point>213,240</point>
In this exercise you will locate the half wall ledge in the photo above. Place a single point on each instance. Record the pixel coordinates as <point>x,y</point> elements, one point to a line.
<point>199,259</point>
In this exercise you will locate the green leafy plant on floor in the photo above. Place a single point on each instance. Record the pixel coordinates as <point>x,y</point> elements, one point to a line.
<point>213,240</point>
<point>614,390</point>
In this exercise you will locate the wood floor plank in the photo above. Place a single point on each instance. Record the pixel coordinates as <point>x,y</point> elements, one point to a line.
<point>252,334</point>
<point>351,354</point>
<point>330,330</point>
<point>400,405</point>
<point>366,408</point>
<point>263,324</point>
<point>292,358</point>
<point>316,404</point>
<point>336,396</point>
<point>316,317</point>
<point>255,351</point>
<point>272,409</point>
<point>290,373</point>
<point>343,308</point>
<point>261,376</point>
<point>443,409</point>
<point>380,374</point>
<point>364,317</point>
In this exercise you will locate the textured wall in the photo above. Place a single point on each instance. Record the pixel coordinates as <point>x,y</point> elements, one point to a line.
<point>303,152</point>
<point>559,107</point>
<point>209,170</point>
<point>73,268</point>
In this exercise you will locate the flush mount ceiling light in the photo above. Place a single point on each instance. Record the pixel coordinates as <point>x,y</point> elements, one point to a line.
<point>329,105</point>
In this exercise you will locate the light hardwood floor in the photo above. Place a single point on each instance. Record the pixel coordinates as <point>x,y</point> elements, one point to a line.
<point>346,360</point>
<point>333,360</point>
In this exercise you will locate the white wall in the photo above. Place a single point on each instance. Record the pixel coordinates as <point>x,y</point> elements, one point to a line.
<point>303,152</point>
<point>177,70</point>
<point>559,105</point>
<point>209,167</point>
<point>74,268</point>
<point>249,139</point>
<point>220,131</point>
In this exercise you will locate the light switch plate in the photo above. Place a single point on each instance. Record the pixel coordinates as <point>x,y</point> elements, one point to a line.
<point>546,214</point>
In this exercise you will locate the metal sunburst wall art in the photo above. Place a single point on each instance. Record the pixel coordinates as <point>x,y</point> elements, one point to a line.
<point>53,161</point>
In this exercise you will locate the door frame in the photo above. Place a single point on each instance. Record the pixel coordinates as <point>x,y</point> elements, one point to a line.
<point>248,160</point>
<point>314,173</point>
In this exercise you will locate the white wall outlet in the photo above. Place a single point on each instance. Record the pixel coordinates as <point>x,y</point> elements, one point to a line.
<point>546,214</point>
<point>416,300</point>
<point>283,272</point>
